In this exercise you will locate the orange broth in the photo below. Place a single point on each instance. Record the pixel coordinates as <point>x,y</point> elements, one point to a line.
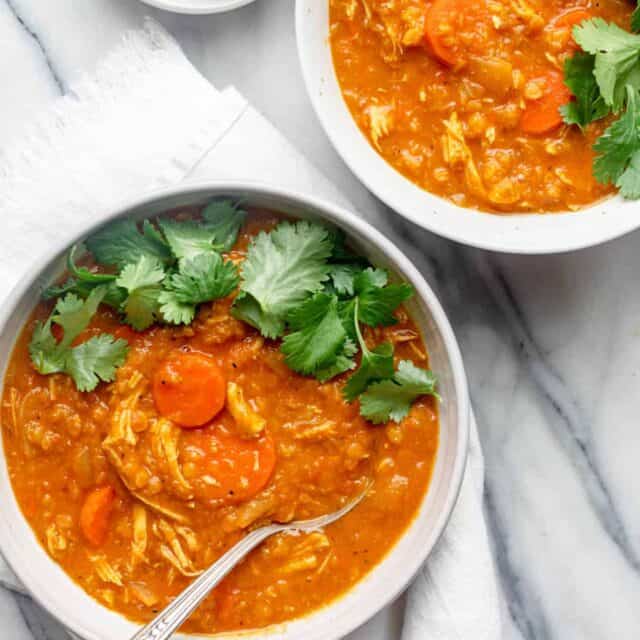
<point>170,519</point>
<point>471,113</point>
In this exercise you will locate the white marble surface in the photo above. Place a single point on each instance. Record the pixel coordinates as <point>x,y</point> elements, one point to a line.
<point>552,344</point>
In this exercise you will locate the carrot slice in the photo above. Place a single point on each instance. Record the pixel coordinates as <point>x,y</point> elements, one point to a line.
<point>241,467</point>
<point>95,514</point>
<point>440,29</point>
<point>569,19</point>
<point>543,114</point>
<point>189,388</point>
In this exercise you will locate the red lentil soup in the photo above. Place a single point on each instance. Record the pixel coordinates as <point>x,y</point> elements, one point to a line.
<point>133,506</point>
<point>462,96</point>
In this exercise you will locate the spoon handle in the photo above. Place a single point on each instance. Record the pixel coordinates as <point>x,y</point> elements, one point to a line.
<point>177,611</point>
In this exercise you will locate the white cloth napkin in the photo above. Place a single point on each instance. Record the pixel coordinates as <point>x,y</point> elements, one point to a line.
<point>147,119</point>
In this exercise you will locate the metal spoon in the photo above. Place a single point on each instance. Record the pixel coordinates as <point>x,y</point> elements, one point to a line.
<point>179,609</point>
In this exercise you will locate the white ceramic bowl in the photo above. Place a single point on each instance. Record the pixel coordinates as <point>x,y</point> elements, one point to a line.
<point>83,615</point>
<point>516,233</point>
<point>197,6</point>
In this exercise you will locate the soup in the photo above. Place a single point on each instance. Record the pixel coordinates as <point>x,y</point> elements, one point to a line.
<point>465,98</point>
<point>193,431</point>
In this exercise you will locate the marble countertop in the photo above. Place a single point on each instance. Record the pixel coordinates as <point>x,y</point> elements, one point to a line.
<point>551,344</point>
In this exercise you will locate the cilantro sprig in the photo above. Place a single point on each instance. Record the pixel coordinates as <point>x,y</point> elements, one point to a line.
<point>87,363</point>
<point>301,283</point>
<point>162,272</point>
<point>391,399</point>
<point>165,271</point>
<point>282,268</point>
<point>605,79</point>
<point>199,279</point>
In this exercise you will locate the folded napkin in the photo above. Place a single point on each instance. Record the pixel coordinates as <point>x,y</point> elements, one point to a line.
<point>147,119</point>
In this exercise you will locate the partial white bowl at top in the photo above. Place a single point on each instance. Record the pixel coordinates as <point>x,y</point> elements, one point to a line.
<point>64,599</point>
<point>513,233</point>
<point>198,6</point>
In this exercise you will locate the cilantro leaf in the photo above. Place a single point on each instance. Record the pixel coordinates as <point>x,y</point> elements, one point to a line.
<point>391,399</point>
<point>318,335</point>
<point>371,279</point>
<point>83,281</point>
<point>47,356</point>
<point>346,311</point>
<point>377,302</point>
<point>378,305</point>
<point>203,278</point>
<point>87,363</point>
<point>281,268</point>
<point>187,238</point>
<point>343,362</point>
<point>200,279</point>
<point>376,364</point>
<point>70,285</point>
<point>617,148</point>
<point>224,219</point>
<point>96,359</point>
<point>629,181</point>
<point>342,278</point>
<point>340,253</point>
<point>74,314</point>
<point>121,243</point>
<point>114,295</point>
<point>617,53</point>
<point>141,280</point>
<point>173,311</point>
<point>579,77</point>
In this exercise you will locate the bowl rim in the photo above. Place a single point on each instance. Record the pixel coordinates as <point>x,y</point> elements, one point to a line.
<point>531,234</point>
<point>359,228</point>
<point>197,7</point>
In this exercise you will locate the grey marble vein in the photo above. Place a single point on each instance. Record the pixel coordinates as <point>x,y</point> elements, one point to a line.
<point>568,419</point>
<point>40,624</point>
<point>38,44</point>
<point>526,613</point>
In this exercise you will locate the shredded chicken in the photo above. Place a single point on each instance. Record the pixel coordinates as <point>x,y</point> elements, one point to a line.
<point>413,19</point>
<point>504,192</point>
<point>305,555</point>
<point>189,536</point>
<point>107,596</point>
<point>317,431</point>
<point>105,571</point>
<point>121,435</point>
<point>139,543</point>
<point>527,14</point>
<point>120,448</point>
<point>172,551</point>
<point>56,541</point>
<point>170,557</point>
<point>162,509</point>
<point>456,152</point>
<point>14,400</point>
<point>143,593</point>
<point>246,514</point>
<point>121,429</point>
<point>164,442</point>
<point>381,121</point>
<point>247,420</point>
